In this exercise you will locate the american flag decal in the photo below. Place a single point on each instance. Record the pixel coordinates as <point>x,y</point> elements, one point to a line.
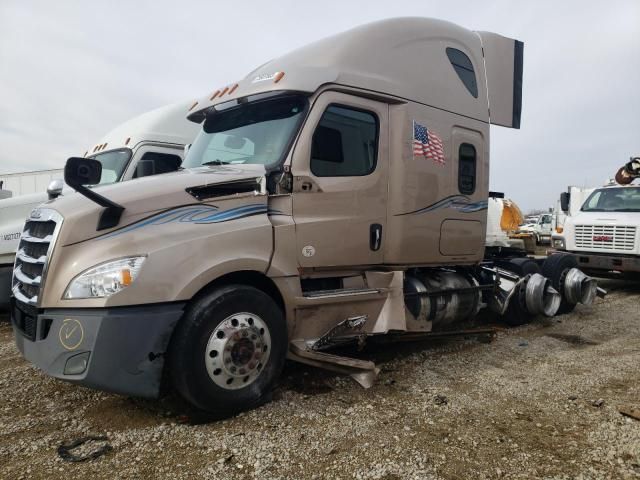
<point>427,144</point>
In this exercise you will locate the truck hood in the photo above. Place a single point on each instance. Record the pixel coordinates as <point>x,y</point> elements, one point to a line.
<point>606,218</point>
<point>8,205</point>
<point>147,196</point>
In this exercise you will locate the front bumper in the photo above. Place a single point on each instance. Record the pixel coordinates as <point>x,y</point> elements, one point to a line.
<point>590,262</point>
<point>119,350</point>
<point>6,271</point>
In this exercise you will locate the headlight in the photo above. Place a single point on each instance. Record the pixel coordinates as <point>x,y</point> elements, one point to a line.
<point>105,279</point>
<point>558,243</point>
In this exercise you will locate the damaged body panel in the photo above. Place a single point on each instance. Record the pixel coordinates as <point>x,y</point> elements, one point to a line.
<point>120,349</point>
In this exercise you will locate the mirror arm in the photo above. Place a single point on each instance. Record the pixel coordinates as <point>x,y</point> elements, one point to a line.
<point>112,213</point>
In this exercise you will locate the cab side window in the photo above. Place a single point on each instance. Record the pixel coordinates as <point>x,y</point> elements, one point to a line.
<point>154,163</point>
<point>345,143</point>
<point>467,169</point>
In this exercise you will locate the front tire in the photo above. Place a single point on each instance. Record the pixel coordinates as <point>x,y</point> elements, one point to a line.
<point>228,350</point>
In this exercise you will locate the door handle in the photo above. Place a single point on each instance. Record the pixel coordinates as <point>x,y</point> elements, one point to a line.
<point>375,236</point>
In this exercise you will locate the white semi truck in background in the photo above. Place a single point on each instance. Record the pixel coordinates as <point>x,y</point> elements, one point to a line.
<point>603,233</point>
<point>541,228</point>
<point>577,196</point>
<point>149,144</point>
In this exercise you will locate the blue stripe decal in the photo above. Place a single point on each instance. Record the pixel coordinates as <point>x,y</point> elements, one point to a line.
<point>275,211</point>
<point>461,203</point>
<point>199,214</point>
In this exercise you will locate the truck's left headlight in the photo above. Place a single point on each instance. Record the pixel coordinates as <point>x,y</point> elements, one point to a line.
<point>105,279</point>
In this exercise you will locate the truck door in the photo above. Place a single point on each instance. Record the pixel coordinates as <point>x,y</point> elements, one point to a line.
<point>339,168</point>
<point>547,225</point>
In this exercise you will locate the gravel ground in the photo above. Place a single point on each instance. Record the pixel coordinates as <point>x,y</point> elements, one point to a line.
<point>540,401</point>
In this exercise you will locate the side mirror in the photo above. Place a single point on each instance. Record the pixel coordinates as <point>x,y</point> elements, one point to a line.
<point>564,201</point>
<point>80,171</point>
<point>54,190</point>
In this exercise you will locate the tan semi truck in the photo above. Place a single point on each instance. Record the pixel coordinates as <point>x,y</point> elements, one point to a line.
<point>336,194</point>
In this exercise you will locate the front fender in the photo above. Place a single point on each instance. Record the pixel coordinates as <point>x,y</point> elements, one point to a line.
<point>182,255</point>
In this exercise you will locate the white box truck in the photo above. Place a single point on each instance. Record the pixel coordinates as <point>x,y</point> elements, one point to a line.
<point>603,234</point>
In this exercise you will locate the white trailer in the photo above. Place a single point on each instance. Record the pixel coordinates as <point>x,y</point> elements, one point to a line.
<point>24,183</point>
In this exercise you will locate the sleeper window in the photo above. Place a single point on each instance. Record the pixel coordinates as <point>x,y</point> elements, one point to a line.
<point>467,169</point>
<point>344,143</point>
<point>464,68</point>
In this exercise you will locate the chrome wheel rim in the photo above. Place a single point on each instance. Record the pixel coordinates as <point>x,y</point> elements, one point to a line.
<point>237,351</point>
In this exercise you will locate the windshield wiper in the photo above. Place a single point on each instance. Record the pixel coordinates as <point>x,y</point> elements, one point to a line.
<point>215,162</point>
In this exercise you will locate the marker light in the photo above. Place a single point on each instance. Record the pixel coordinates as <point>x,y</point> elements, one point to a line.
<point>105,279</point>
<point>559,229</point>
<point>214,94</point>
<point>193,106</point>
<point>225,90</point>
<point>233,89</point>
<point>278,77</point>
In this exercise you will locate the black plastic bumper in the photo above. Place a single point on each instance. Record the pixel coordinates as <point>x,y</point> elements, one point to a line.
<point>119,350</point>
<point>5,285</point>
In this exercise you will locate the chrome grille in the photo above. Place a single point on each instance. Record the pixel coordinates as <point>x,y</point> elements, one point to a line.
<point>606,237</point>
<point>36,244</point>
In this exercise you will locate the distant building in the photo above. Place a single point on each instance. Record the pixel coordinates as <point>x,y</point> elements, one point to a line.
<point>29,182</point>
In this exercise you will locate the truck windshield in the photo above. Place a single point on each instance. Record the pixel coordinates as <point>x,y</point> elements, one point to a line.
<point>113,164</point>
<point>623,199</point>
<point>258,132</point>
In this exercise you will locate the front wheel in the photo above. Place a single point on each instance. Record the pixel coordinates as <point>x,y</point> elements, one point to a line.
<point>228,350</point>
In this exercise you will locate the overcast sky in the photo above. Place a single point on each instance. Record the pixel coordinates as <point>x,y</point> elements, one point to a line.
<point>70,71</point>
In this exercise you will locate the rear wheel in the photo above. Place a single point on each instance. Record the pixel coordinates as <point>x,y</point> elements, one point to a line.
<point>228,350</point>
<point>555,268</point>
